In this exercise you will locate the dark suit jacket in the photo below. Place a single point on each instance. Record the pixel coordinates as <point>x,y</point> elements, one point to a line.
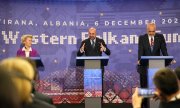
<point>90,51</point>
<point>171,104</point>
<point>38,104</point>
<point>43,97</point>
<point>159,46</point>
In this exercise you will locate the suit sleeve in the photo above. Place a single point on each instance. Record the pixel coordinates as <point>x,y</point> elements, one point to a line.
<point>107,52</point>
<point>36,53</point>
<point>79,52</point>
<point>140,47</point>
<point>163,46</point>
<point>18,53</point>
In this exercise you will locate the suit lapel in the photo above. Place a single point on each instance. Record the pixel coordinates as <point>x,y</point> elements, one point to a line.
<point>97,42</point>
<point>89,43</point>
<point>147,41</point>
<point>23,53</point>
<point>155,42</point>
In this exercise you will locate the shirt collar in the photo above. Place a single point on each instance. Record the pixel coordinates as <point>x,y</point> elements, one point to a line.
<point>150,36</point>
<point>24,49</point>
<point>94,40</point>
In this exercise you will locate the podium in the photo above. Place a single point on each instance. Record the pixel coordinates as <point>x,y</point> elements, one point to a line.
<point>39,64</point>
<point>154,63</point>
<point>93,79</point>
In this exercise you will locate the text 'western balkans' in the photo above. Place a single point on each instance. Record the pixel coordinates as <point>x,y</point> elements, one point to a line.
<point>11,37</point>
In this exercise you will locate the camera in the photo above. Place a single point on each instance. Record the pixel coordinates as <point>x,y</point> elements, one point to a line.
<point>145,92</point>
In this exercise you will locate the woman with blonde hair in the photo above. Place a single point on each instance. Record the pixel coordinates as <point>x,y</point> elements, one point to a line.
<point>27,50</point>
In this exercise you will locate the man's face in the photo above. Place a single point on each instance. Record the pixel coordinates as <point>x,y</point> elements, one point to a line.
<point>92,34</point>
<point>28,42</point>
<point>151,30</point>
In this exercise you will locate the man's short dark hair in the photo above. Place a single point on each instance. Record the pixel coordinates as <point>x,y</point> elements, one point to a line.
<point>177,71</point>
<point>166,81</point>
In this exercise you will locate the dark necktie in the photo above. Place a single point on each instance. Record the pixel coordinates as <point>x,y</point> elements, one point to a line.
<point>152,43</point>
<point>93,43</point>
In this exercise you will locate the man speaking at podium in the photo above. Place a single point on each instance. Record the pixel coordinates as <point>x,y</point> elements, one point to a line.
<point>93,46</point>
<point>150,44</point>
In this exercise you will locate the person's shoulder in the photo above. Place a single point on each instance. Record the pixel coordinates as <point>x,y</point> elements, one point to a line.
<point>39,104</point>
<point>34,50</point>
<point>42,97</point>
<point>85,40</point>
<point>143,36</point>
<point>171,104</point>
<point>158,34</point>
<point>19,50</point>
<point>99,39</point>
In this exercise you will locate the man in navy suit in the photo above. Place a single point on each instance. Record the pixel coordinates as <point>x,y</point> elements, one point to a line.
<point>150,44</point>
<point>93,46</point>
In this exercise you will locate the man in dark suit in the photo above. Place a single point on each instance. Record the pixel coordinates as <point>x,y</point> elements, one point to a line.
<point>150,44</point>
<point>93,46</point>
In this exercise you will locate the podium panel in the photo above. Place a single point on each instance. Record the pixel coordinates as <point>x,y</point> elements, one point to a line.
<point>92,83</point>
<point>92,64</point>
<point>154,63</point>
<point>39,63</point>
<point>151,73</point>
<point>92,79</point>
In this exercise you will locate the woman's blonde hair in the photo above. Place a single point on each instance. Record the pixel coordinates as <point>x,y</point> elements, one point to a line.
<point>23,85</point>
<point>24,37</point>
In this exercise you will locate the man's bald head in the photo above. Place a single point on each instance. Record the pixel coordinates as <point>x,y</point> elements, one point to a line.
<point>92,33</point>
<point>151,29</point>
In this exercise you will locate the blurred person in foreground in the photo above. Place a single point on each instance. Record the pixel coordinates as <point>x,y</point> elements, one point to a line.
<point>9,97</point>
<point>24,74</point>
<point>177,71</point>
<point>37,94</point>
<point>166,89</point>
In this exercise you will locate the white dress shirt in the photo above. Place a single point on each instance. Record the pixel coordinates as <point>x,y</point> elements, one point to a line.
<point>150,39</point>
<point>27,52</point>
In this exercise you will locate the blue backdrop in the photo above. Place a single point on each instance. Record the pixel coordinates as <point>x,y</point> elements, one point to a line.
<point>58,27</point>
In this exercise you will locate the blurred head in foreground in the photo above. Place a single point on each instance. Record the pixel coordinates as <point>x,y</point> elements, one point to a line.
<point>23,73</point>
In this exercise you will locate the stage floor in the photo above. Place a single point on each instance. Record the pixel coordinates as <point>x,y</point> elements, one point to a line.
<point>105,105</point>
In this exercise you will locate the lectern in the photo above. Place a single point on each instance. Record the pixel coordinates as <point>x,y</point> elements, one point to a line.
<point>92,78</point>
<point>39,64</point>
<point>154,63</point>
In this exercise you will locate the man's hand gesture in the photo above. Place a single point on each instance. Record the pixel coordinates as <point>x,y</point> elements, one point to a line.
<point>102,48</point>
